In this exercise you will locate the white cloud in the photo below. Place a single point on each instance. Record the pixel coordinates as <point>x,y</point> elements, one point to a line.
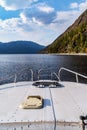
<point>40,15</point>
<point>45,8</point>
<point>16,29</point>
<point>40,23</point>
<point>83,5</point>
<point>67,15</point>
<point>16,4</point>
<point>24,18</point>
<point>31,25</point>
<point>9,24</point>
<point>63,20</point>
<point>74,5</point>
<point>40,18</point>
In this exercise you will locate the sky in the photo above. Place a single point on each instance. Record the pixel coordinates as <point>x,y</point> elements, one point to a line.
<point>40,21</point>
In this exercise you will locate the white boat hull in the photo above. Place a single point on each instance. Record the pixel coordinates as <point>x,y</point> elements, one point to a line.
<point>61,111</point>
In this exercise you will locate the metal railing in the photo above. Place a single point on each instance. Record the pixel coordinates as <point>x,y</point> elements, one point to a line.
<point>73,72</point>
<point>44,75</point>
<point>54,75</point>
<point>49,75</point>
<point>15,76</point>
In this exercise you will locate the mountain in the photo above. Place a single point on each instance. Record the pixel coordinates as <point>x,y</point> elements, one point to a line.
<point>20,47</point>
<point>73,40</point>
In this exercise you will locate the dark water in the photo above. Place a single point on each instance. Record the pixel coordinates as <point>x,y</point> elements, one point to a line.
<point>14,64</point>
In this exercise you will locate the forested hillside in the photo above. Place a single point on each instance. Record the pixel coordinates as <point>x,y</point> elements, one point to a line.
<point>73,40</point>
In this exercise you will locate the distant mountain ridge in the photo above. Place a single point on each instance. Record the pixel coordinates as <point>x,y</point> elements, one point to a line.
<point>20,47</point>
<point>73,40</point>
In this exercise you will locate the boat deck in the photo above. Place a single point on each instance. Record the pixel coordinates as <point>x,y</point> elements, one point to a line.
<point>63,105</point>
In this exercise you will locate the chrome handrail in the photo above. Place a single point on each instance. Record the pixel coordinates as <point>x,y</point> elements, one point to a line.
<point>39,73</point>
<point>43,70</point>
<point>17,74</point>
<point>77,74</point>
<point>15,79</point>
<point>51,73</point>
<point>31,74</point>
<point>55,75</point>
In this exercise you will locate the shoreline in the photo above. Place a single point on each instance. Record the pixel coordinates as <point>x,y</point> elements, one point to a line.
<point>69,54</point>
<point>61,54</point>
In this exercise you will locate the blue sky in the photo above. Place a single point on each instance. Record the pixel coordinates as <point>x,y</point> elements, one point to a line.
<point>41,21</point>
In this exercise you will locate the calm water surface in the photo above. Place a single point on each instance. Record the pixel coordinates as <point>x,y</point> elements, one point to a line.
<point>12,64</point>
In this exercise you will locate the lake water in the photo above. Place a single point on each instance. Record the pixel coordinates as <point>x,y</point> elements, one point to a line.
<point>14,64</point>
